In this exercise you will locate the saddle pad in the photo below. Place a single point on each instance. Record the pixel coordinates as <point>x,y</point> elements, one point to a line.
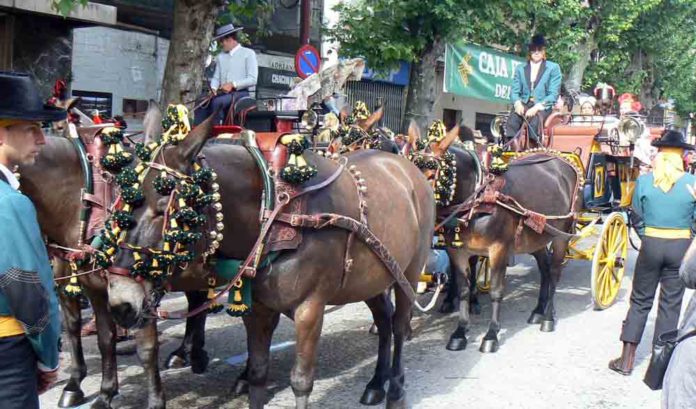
<point>282,236</point>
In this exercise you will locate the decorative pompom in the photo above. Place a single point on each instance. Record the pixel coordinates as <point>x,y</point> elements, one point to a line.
<point>132,195</point>
<point>164,184</point>
<point>127,177</point>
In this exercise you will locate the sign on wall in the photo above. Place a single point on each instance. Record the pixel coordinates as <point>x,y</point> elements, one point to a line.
<point>477,72</point>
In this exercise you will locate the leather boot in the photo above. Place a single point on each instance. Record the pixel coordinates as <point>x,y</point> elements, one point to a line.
<point>624,365</point>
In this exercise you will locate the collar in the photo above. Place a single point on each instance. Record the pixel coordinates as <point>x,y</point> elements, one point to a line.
<point>9,177</point>
<point>234,50</point>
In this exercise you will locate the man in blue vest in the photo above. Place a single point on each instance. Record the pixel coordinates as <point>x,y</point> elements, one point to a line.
<point>664,200</point>
<point>236,74</point>
<point>29,323</point>
<point>535,89</point>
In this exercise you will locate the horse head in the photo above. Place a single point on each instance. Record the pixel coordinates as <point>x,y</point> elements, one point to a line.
<point>158,223</point>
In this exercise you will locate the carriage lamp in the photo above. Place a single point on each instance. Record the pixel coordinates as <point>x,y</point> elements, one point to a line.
<point>309,119</point>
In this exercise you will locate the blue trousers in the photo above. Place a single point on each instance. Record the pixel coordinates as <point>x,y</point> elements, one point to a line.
<point>220,103</point>
<point>18,377</point>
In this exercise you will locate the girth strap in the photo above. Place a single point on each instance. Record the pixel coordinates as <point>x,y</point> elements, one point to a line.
<point>322,220</point>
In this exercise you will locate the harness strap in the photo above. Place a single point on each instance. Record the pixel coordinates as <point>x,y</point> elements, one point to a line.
<point>322,220</point>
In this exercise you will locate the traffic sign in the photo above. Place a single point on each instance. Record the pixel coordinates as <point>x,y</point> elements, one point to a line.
<point>307,61</point>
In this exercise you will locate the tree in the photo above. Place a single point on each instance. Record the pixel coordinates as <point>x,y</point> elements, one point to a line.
<point>386,32</point>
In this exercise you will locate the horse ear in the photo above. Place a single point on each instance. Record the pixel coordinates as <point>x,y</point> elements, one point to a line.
<point>71,103</point>
<point>450,137</point>
<point>343,115</point>
<point>194,141</point>
<point>152,122</point>
<point>413,135</point>
<point>373,119</point>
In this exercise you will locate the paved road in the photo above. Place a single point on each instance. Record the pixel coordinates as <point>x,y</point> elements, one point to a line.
<point>565,369</point>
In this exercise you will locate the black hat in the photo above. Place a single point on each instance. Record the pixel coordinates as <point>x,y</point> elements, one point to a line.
<point>673,139</point>
<point>538,41</point>
<point>21,100</point>
<point>224,31</point>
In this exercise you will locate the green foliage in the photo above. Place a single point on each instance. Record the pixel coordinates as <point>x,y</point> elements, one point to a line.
<point>64,7</point>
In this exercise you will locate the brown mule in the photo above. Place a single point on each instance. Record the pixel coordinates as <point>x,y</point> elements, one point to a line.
<point>305,280</point>
<point>547,186</point>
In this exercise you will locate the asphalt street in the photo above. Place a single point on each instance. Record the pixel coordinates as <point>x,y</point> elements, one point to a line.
<point>564,369</point>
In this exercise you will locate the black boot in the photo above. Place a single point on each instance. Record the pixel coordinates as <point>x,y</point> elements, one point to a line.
<point>624,365</point>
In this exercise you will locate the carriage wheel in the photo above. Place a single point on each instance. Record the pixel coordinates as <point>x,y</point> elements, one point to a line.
<point>483,275</point>
<point>609,261</point>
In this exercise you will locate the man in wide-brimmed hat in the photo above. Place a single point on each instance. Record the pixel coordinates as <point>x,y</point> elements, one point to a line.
<point>29,325</point>
<point>664,200</point>
<point>236,73</point>
<point>535,89</point>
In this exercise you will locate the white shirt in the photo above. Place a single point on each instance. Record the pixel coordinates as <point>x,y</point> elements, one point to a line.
<point>535,71</point>
<point>10,176</point>
<point>238,66</point>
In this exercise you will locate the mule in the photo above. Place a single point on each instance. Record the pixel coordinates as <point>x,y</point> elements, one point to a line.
<point>53,184</point>
<point>501,233</point>
<point>301,282</point>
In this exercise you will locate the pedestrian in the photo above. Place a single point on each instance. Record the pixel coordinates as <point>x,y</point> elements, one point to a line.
<point>29,324</point>
<point>236,73</point>
<point>679,386</point>
<point>663,200</point>
<point>535,90</point>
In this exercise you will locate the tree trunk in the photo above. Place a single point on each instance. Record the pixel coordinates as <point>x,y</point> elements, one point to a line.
<point>194,21</point>
<point>422,88</point>
<point>576,73</point>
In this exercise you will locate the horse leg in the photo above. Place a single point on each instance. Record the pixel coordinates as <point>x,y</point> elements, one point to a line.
<point>106,339</point>
<point>259,325</point>
<point>374,327</point>
<point>559,247</point>
<point>382,311</point>
<point>72,393</point>
<point>498,258</point>
<point>148,353</point>
<point>396,396</point>
<point>474,304</point>
<point>460,263</point>
<point>309,317</point>
<point>452,299</point>
<point>191,350</point>
<point>542,258</point>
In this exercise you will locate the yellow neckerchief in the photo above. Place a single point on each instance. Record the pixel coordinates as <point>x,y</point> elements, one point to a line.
<point>668,168</point>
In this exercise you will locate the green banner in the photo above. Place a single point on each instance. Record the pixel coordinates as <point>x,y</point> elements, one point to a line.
<point>479,72</point>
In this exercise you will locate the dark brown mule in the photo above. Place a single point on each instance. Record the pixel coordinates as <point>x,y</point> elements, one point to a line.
<point>54,185</point>
<point>304,281</point>
<point>547,186</point>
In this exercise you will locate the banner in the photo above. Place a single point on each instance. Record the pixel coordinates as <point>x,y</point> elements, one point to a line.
<point>478,72</point>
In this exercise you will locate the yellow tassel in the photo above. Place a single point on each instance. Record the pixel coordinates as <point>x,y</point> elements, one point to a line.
<point>457,243</point>
<point>155,264</point>
<point>441,238</point>
<point>167,247</point>
<point>73,288</point>
<point>237,296</point>
<point>301,162</point>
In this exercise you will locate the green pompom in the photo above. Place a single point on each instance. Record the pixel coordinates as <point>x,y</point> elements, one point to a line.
<point>127,177</point>
<point>132,196</point>
<point>164,184</point>
<point>124,220</point>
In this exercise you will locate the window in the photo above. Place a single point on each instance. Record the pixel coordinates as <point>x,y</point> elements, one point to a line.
<point>451,117</point>
<point>483,123</point>
<point>134,108</point>
<point>89,101</point>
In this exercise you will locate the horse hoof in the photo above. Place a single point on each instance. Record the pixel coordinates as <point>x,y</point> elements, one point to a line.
<point>100,404</point>
<point>176,362</point>
<point>68,399</point>
<point>548,326</point>
<point>535,318</point>
<point>373,329</point>
<point>241,387</point>
<point>456,344</point>
<point>199,363</point>
<point>373,397</point>
<point>489,346</point>
<point>397,403</point>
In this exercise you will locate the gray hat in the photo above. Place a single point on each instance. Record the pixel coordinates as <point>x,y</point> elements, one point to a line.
<point>224,31</point>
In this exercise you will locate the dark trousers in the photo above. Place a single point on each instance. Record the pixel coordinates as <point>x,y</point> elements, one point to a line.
<point>658,263</point>
<point>220,103</point>
<point>514,123</point>
<point>18,388</point>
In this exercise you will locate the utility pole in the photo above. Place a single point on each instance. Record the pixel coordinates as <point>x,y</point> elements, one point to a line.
<point>305,21</point>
